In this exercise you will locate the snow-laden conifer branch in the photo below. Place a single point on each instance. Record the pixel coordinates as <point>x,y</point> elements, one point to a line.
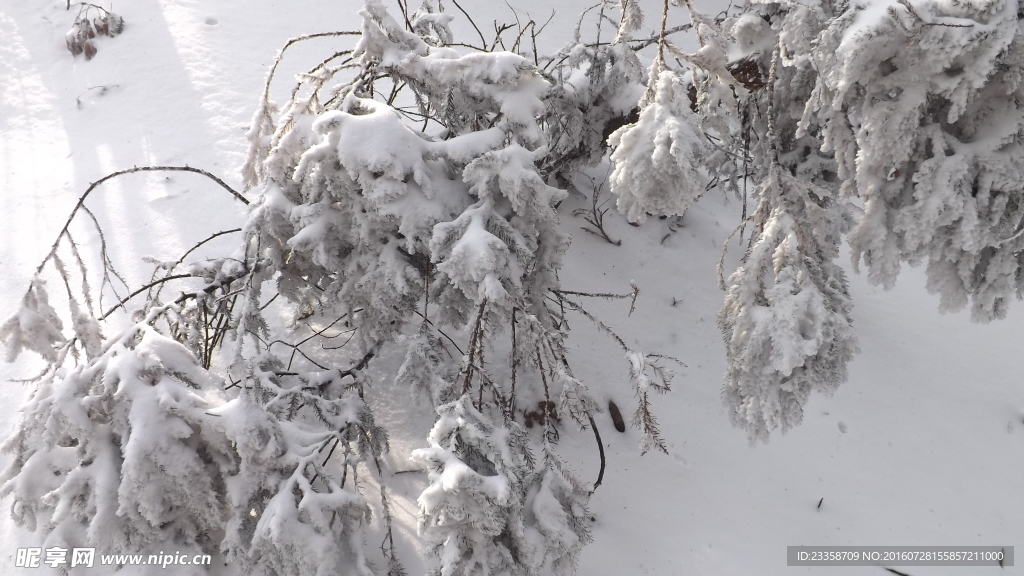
<point>408,185</point>
<point>404,187</point>
<point>907,110</point>
<point>786,317</point>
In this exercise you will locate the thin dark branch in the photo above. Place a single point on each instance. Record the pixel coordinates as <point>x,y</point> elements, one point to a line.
<point>483,41</point>
<point>143,289</point>
<point>641,44</point>
<point>600,448</point>
<point>593,294</point>
<point>441,332</point>
<point>274,297</point>
<point>211,237</point>
<point>341,373</point>
<point>196,247</point>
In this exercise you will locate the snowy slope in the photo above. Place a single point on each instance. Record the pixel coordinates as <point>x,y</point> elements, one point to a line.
<point>924,445</point>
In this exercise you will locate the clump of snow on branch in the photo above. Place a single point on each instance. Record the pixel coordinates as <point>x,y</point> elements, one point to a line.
<point>656,159</point>
<point>34,327</point>
<point>786,318</point>
<point>122,433</point>
<point>471,512</point>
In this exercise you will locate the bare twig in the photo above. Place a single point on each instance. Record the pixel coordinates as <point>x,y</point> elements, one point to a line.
<point>483,41</point>
<point>595,215</point>
<point>143,289</point>
<point>103,90</point>
<point>636,45</point>
<point>194,248</point>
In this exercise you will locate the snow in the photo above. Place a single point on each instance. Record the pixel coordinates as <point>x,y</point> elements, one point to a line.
<point>655,159</point>
<point>923,445</point>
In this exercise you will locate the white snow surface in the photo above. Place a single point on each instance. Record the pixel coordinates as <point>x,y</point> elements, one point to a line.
<point>923,446</point>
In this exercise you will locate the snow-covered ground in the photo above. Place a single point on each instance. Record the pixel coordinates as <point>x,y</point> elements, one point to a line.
<point>923,446</point>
